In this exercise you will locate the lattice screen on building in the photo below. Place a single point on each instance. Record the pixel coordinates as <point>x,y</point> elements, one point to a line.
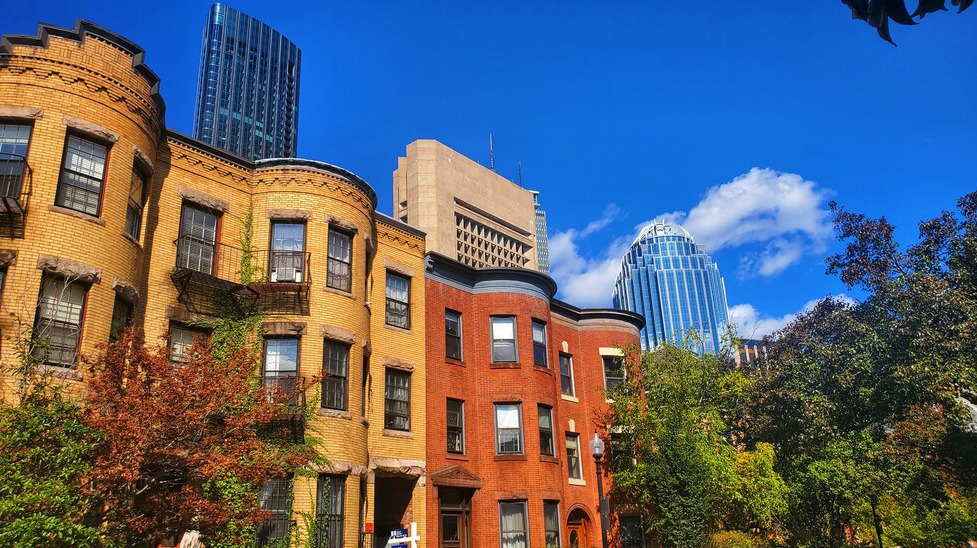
<point>479,245</point>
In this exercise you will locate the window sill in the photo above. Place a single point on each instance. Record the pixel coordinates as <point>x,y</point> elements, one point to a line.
<point>58,372</point>
<point>574,399</point>
<point>453,361</point>
<point>547,458</point>
<point>543,369</point>
<point>456,456</point>
<point>132,240</point>
<point>398,329</point>
<point>402,434</point>
<point>335,413</point>
<point>76,214</point>
<point>575,481</point>
<point>340,292</point>
<point>502,458</point>
<point>505,365</point>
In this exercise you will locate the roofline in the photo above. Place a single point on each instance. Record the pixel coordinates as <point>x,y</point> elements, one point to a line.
<point>269,163</point>
<point>474,275</point>
<point>77,34</point>
<point>583,314</point>
<point>399,224</point>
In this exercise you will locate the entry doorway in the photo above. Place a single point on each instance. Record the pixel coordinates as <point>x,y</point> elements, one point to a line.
<point>579,530</point>
<point>454,506</point>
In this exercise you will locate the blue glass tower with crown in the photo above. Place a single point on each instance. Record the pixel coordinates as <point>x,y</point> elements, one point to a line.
<point>248,90</point>
<point>675,285</point>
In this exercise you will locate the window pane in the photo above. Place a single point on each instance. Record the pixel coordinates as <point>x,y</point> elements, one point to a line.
<point>57,324</point>
<point>335,361</point>
<point>566,375</point>
<point>503,328</point>
<point>456,426</point>
<point>330,503</point>
<point>452,334</point>
<point>613,372</point>
<point>274,498</point>
<point>397,400</point>
<point>281,357</point>
<point>573,456</point>
<point>546,430</point>
<point>551,523</point>
<point>512,524</point>
<point>339,261</point>
<point>503,339</point>
<point>398,300</point>
<point>80,185</point>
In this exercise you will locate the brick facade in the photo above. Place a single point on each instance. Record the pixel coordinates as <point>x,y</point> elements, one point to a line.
<point>90,82</point>
<point>527,476</point>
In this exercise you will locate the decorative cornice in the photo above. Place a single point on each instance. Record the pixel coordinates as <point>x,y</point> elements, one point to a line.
<point>84,29</point>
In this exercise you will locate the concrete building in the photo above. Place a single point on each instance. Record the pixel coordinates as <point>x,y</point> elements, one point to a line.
<point>676,286</point>
<point>248,89</point>
<point>468,212</point>
<point>109,218</point>
<point>515,390</point>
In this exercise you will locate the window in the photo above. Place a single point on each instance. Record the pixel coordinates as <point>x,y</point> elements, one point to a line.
<point>181,340</point>
<point>340,261</point>
<point>398,300</point>
<point>137,196</point>
<point>566,375</point>
<point>573,456</point>
<point>275,499</point>
<point>396,408</point>
<point>539,344</point>
<point>622,453</point>
<point>613,372</point>
<point>456,426</point>
<point>121,317</point>
<point>452,334</point>
<point>281,368</point>
<point>197,249</point>
<point>335,375</point>
<point>287,257</point>
<point>503,339</point>
<point>57,324</point>
<point>546,431</point>
<point>13,154</point>
<point>512,524</point>
<point>551,523</point>
<point>330,502</point>
<point>80,186</point>
<point>632,533</point>
<point>508,428</point>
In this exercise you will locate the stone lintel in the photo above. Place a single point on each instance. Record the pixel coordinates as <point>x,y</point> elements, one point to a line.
<point>206,200</point>
<point>71,270</point>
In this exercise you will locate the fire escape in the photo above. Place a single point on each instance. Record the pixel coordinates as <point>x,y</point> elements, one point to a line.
<point>15,191</point>
<point>221,280</point>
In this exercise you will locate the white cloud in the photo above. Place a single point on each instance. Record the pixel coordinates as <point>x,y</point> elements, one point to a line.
<point>611,213</point>
<point>750,324</point>
<point>585,282</point>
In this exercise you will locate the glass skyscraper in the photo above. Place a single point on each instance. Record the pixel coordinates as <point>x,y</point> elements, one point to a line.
<point>675,285</point>
<point>248,91</point>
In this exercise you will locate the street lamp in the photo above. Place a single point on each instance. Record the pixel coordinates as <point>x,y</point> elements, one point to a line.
<point>597,450</point>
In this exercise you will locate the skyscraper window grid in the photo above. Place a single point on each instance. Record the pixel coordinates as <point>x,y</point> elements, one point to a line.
<point>248,88</point>
<point>670,280</point>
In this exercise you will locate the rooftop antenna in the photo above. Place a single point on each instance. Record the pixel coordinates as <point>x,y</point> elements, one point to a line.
<point>491,154</point>
<point>520,173</point>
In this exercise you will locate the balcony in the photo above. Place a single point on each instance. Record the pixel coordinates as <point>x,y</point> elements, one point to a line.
<point>15,191</point>
<point>218,279</point>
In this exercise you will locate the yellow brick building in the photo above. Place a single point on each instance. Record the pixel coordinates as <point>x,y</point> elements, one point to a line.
<point>107,217</point>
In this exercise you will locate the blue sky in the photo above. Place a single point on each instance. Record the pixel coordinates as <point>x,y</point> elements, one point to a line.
<point>739,119</point>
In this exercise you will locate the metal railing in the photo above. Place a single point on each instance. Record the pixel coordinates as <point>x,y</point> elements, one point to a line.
<point>238,266</point>
<point>285,388</point>
<point>15,183</point>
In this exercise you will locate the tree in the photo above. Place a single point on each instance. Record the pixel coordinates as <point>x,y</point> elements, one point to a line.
<point>865,403</point>
<point>177,437</point>
<point>877,13</point>
<point>690,479</point>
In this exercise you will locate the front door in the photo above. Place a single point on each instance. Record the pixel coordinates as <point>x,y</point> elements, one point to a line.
<point>577,536</point>
<point>455,509</point>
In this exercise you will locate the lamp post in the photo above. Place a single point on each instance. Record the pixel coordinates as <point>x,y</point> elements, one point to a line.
<point>597,450</point>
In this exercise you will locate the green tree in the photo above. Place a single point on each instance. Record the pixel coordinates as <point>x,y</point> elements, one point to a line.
<point>866,404</point>
<point>877,13</point>
<point>689,477</point>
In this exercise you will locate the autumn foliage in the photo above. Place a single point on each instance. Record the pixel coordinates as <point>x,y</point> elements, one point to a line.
<point>173,432</point>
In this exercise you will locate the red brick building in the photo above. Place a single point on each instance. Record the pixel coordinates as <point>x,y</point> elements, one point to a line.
<point>515,390</point>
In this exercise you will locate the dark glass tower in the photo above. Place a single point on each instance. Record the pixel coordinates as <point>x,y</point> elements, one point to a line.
<point>248,91</point>
<point>675,285</point>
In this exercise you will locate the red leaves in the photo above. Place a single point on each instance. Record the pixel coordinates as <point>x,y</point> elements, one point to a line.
<point>170,429</point>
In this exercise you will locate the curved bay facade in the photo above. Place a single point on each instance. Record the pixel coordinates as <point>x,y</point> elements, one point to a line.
<point>109,218</point>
